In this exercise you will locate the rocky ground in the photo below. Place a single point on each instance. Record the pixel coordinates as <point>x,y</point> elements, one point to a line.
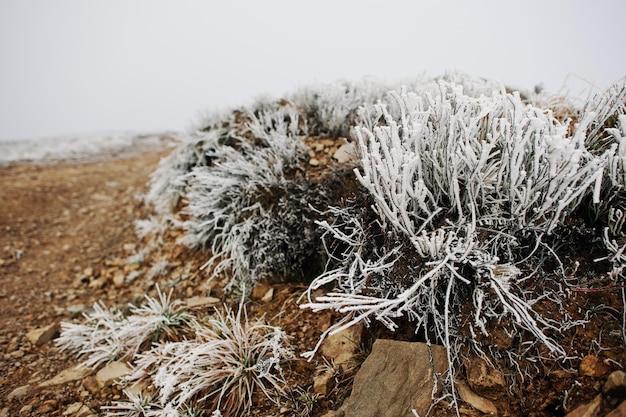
<point>67,240</point>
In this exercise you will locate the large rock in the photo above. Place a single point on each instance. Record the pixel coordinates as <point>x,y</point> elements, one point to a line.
<point>396,378</point>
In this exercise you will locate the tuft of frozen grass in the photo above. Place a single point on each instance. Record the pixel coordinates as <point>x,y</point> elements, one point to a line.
<point>230,358</point>
<point>106,335</point>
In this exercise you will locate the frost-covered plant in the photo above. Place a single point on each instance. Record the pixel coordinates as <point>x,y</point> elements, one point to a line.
<point>97,340</point>
<point>230,358</point>
<point>456,183</point>
<point>108,335</point>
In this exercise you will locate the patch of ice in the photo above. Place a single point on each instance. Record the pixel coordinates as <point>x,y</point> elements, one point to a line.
<point>95,146</point>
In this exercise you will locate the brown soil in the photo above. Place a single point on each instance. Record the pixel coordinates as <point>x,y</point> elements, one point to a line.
<point>66,232</point>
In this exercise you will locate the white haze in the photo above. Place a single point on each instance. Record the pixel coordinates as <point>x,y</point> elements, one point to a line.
<point>72,66</point>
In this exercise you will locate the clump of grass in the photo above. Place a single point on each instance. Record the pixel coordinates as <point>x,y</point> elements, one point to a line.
<point>230,358</point>
<point>107,335</point>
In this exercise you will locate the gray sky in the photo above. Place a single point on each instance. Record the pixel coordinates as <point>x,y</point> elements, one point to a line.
<point>77,66</point>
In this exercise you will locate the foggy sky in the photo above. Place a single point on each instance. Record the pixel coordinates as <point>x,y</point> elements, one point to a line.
<point>76,66</point>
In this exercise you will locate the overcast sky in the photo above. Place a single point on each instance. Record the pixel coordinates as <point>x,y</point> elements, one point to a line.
<point>78,66</point>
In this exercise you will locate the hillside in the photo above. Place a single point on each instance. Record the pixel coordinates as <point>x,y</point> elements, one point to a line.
<point>451,214</point>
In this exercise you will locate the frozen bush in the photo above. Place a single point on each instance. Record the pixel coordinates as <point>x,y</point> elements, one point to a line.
<point>456,184</point>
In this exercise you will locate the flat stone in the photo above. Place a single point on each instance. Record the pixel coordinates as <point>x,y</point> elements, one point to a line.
<point>26,410</point>
<point>43,335</point>
<point>78,410</point>
<point>342,347</point>
<point>485,380</point>
<point>470,397</point>
<point>67,375</point>
<point>396,378</point>
<point>345,153</point>
<point>202,301</point>
<point>591,409</point>
<point>112,371</point>
<point>19,392</point>
<point>615,385</point>
<point>314,162</point>
<point>323,383</point>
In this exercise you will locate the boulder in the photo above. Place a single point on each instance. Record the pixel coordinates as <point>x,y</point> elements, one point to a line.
<point>396,378</point>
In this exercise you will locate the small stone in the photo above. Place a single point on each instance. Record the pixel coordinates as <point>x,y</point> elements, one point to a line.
<point>268,295</point>
<point>27,409</point>
<point>485,380</point>
<point>345,153</point>
<point>615,385</point>
<point>91,384</point>
<point>19,392</point>
<point>591,409</point>
<point>314,162</point>
<point>44,409</point>
<point>68,375</point>
<point>96,283</point>
<point>44,334</point>
<point>343,346</point>
<point>78,410</point>
<point>592,366</point>
<point>324,383</point>
<point>112,371</point>
<point>481,404</point>
<point>202,301</point>
<point>119,279</point>
<point>88,272</point>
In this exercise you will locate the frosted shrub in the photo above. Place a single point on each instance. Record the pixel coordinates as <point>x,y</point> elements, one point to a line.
<point>251,208</point>
<point>229,359</point>
<point>456,183</point>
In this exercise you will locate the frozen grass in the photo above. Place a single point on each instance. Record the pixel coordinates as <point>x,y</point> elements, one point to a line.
<point>107,335</point>
<point>229,359</point>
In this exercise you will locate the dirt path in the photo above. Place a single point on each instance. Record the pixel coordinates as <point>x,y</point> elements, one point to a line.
<point>59,226</point>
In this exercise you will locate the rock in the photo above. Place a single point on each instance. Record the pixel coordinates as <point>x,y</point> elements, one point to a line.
<point>591,409</point>
<point>68,375</point>
<point>485,380</point>
<point>19,392</point>
<point>268,295</point>
<point>314,162</point>
<point>91,385</point>
<point>470,397</point>
<point>78,410</point>
<point>345,153</point>
<point>343,346</point>
<point>396,378</point>
<point>202,301</point>
<point>620,411</point>
<point>324,383</point>
<point>26,410</point>
<point>592,366</point>
<point>259,291</point>
<point>119,279</point>
<point>615,385</point>
<point>44,334</point>
<point>112,371</point>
